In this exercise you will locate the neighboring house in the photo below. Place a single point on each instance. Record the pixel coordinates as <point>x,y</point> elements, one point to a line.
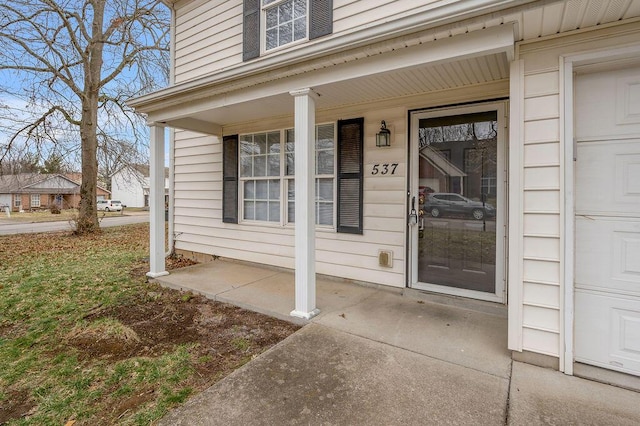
<point>530,106</point>
<point>31,191</point>
<point>130,185</point>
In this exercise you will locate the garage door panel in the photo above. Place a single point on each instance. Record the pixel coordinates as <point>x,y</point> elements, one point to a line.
<point>608,104</point>
<point>610,255</point>
<point>609,172</point>
<point>610,332</point>
<point>607,220</point>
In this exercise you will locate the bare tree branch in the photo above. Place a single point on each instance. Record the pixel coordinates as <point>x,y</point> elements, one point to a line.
<point>70,66</point>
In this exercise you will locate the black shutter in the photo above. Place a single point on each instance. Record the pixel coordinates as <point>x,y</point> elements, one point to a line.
<point>350,173</point>
<point>320,18</point>
<point>230,179</point>
<point>251,30</point>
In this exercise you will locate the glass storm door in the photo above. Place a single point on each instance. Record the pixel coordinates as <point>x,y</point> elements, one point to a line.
<point>457,242</point>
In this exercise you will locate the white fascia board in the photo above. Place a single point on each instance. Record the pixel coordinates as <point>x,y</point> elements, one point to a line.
<point>432,18</point>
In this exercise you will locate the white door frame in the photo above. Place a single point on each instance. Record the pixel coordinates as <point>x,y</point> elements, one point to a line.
<point>567,122</point>
<point>501,214</point>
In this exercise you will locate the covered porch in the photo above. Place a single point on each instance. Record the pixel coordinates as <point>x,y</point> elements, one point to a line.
<point>394,75</point>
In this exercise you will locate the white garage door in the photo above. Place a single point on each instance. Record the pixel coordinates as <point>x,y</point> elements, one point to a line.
<point>607,218</point>
<point>5,200</point>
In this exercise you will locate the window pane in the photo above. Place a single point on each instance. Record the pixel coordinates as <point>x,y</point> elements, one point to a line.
<point>266,2</point>
<point>291,212</point>
<point>291,196</point>
<point>324,162</point>
<point>274,211</point>
<point>260,141</point>
<point>272,17</point>
<point>324,136</point>
<point>291,189</point>
<point>286,11</point>
<point>299,28</point>
<point>324,215</point>
<point>259,165</point>
<point>291,164</point>
<point>249,210</point>
<point>274,189</point>
<point>274,165</point>
<point>286,33</point>
<point>324,189</point>
<point>273,146</point>
<point>289,149</point>
<point>246,167</point>
<point>262,190</point>
<point>272,38</point>
<point>300,8</point>
<point>250,189</point>
<point>262,210</point>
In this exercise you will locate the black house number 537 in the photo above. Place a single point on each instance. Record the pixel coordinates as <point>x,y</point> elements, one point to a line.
<point>384,169</point>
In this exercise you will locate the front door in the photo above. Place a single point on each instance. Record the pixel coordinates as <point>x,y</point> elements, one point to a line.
<point>607,219</point>
<point>457,194</point>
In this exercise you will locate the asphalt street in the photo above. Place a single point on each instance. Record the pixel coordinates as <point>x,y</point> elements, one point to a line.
<point>7,227</point>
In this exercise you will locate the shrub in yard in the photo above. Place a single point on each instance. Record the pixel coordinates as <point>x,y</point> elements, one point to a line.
<point>55,209</point>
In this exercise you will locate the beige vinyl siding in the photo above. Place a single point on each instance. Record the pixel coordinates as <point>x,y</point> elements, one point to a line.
<point>541,201</point>
<point>348,14</point>
<point>543,169</point>
<point>208,38</point>
<point>209,34</point>
<point>198,201</point>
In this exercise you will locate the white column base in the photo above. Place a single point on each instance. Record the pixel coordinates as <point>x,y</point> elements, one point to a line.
<point>305,315</point>
<point>157,274</point>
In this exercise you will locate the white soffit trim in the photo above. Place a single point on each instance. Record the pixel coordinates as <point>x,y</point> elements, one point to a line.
<point>494,40</point>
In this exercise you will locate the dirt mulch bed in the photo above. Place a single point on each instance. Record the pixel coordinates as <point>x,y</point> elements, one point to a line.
<point>222,338</point>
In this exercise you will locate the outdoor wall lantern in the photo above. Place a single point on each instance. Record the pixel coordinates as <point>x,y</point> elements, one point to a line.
<point>383,137</point>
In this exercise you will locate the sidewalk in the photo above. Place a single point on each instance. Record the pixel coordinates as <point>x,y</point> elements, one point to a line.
<point>375,357</point>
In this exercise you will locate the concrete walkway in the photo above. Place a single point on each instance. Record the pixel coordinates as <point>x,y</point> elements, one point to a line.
<point>376,357</point>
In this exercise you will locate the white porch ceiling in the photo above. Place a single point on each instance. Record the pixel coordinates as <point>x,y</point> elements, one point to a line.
<point>387,85</point>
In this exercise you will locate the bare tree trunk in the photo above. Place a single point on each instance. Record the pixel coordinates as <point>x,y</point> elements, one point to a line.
<point>88,216</point>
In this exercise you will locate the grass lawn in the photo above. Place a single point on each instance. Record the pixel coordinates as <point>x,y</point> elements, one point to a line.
<point>85,340</point>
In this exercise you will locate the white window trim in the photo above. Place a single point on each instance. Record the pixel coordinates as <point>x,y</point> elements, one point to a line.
<point>263,29</point>
<point>284,182</point>
<point>243,179</point>
<point>17,201</point>
<point>32,197</point>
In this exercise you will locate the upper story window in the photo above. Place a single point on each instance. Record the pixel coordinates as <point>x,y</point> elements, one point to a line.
<point>285,22</point>
<point>270,24</point>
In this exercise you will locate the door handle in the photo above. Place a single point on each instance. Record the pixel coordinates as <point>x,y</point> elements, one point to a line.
<point>413,216</point>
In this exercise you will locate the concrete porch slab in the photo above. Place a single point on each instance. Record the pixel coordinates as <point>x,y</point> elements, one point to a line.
<point>211,279</point>
<point>468,338</point>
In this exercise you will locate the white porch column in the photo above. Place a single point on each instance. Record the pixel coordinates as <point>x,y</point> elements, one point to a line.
<point>305,230</point>
<point>156,203</point>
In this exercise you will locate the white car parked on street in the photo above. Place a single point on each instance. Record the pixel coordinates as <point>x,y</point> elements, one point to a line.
<point>110,205</point>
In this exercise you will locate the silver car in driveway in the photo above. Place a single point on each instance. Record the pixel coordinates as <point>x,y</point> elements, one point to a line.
<point>449,203</point>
